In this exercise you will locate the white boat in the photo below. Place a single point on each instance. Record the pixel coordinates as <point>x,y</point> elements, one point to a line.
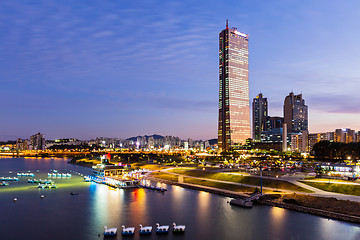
<point>127,231</point>
<point>68,175</point>
<point>178,228</point>
<point>162,229</point>
<point>4,184</point>
<point>110,231</point>
<point>145,230</point>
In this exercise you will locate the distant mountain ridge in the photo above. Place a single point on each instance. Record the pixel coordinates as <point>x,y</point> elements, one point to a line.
<point>156,136</point>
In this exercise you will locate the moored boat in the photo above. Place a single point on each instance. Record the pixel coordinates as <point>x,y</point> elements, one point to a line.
<point>127,231</point>
<point>178,228</point>
<point>241,203</point>
<point>4,184</point>
<point>109,232</point>
<point>145,230</point>
<point>162,229</point>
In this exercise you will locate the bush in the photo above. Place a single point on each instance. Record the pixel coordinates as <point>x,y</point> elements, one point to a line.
<point>256,190</point>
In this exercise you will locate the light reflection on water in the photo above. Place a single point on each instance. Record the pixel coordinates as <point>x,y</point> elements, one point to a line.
<point>206,216</point>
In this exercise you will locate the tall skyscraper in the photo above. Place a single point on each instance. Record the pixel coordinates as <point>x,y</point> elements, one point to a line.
<point>234,112</point>
<point>260,112</point>
<point>295,113</point>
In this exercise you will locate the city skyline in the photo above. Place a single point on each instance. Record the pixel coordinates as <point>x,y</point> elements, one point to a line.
<point>72,70</point>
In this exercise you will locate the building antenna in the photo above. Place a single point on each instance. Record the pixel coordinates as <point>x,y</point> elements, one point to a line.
<point>227,24</point>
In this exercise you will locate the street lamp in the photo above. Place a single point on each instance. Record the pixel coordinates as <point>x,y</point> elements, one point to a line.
<point>277,182</point>
<point>260,179</point>
<point>329,176</point>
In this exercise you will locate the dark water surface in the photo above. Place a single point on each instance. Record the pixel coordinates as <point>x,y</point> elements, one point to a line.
<point>62,216</point>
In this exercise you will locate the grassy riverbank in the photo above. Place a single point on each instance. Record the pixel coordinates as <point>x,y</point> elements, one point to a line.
<point>349,189</point>
<point>224,186</point>
<point>237,178</point>
<point>322,203</point>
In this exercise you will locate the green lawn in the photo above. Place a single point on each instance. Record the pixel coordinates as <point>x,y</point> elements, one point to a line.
<point>240,179</point>
<point>225,186</point>
<point>349,189</point>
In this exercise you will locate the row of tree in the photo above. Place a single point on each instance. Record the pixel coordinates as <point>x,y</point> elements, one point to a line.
<point>335,150</point>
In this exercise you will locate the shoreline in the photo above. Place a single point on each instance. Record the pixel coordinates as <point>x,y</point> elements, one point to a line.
<point>264,201</point>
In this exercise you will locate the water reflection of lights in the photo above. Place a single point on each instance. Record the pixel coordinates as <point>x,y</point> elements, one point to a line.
<point>203,206</point>
<point>278,216</point>
<point>177,194</point>
<point>107,201</point>
<point>328,226</point>
<point>139,210</point>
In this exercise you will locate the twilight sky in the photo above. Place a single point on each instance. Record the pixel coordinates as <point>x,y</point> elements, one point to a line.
<point>119,68</point>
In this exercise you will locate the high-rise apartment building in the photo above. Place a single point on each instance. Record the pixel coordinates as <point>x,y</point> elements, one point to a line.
<point>295,113</point>
<point>260,112</point>
<point>37,142</point>
<point>344,135</point>
<point>234,112</point>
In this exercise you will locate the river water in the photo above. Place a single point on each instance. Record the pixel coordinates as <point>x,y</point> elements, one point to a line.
<point>60,215</point>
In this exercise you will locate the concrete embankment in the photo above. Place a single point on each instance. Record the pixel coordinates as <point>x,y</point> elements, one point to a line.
<point>313,211</point>
<point>275,203</point>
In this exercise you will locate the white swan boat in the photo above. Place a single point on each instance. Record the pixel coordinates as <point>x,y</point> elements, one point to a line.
<point>145,230</point>
<point>162,229</point>
<point>178,228</point>
<point>110,231</point>
<point>128,231</point>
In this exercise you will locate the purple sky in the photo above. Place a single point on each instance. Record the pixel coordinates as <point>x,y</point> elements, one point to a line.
<point>91,68</point>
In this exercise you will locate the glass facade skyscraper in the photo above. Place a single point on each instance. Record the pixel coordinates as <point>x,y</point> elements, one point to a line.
<point>295,113</point>
<point>234,112</point>
<point>260,112</point>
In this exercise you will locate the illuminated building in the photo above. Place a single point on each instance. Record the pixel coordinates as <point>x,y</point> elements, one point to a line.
<point>234,112</point>
<point>260,112</point>
<point>299,142</point>
<point>37,142</point>
<point>295,113</point>
<point>344,135</point>
<point>22,144</point>
<point>314,138</point>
